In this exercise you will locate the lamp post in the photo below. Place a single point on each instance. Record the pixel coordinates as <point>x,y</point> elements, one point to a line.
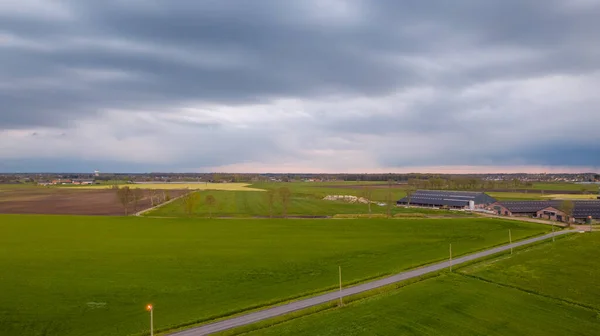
<point>151,310</point>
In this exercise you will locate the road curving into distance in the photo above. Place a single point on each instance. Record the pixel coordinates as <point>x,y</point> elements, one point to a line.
<point>264,314</point>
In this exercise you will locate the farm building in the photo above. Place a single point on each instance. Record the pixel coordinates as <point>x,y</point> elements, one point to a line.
<point>447,199</point>
<point>83,182</point>
<point>547,209</point>
<point>521,208</point>
<point>61,181</point>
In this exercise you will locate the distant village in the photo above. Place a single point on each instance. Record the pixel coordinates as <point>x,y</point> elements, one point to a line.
<point>97,177</point>
<point>69,181</point>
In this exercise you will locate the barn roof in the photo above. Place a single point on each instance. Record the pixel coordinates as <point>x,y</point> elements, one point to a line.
<point>581,209</point>
<point>528,206</point>
<point>445,197</point>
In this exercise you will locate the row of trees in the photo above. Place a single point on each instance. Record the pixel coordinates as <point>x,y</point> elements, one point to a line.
<point>130,198</point>
<point>467,184</point>
<point>567,207</point>
<point>390,201</point>
<point>283,195</point>
<point>192,199</point>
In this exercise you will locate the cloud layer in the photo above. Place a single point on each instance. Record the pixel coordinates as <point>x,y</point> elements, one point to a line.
<point>328,85</point>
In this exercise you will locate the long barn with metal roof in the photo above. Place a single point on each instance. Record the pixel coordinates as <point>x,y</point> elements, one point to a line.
<point>582,209</point>
<point>449,199</point>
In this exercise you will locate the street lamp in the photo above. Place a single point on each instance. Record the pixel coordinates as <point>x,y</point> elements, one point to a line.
<point>151,310</point>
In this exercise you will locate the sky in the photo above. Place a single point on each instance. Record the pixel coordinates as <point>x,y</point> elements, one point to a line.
<point>300,86</point>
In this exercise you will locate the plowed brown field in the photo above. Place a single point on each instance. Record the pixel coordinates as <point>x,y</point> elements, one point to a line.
<point>69,201</point>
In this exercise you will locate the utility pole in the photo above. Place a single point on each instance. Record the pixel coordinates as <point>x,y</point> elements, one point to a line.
<point>510,241</point>
<point>341,300</point>
<point>450,257</point>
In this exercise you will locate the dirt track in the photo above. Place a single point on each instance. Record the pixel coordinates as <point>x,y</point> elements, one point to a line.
<point>69,201</point>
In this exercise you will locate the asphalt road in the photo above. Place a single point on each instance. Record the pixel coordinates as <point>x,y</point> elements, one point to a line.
<point>317,300</point>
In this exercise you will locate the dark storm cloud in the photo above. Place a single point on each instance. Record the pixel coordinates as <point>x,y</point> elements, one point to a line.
<point>280,52</point>
<point>71,61</point>
<point>274,58</point>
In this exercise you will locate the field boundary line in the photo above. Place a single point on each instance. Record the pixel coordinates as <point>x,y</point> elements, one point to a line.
<point>139,213</point>
<point>529,291</point>
<point>280,310</point>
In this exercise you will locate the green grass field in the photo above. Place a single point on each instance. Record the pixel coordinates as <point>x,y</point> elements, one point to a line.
<point>447,305</point>
<point>81,275</point>
<point>566,186</point>
<point>567,269</point>
<point>249,203</point>
<point>545,289</point>
<point>570,197</point>
<point>307,200</point>
<point>514,196</point>
<point>321,189</point>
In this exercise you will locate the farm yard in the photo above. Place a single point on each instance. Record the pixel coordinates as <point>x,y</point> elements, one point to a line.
<point>70,201</point>
<point>118,264</point>
<point>546,289</point>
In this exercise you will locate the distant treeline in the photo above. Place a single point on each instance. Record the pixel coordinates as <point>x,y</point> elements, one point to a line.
<point>455,183</point>
<point>440,181</point>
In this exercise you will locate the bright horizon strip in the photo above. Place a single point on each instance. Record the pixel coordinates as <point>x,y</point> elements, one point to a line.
<point>308,169</point>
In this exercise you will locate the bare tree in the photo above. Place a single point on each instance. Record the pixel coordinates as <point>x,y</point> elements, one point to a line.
<point>210,202</point>
<point>270,198</point>
<point>137,196</point>
<point>285,196</point>
<point>367,193</point>
<point>151,194</point>
<point>389,199</point>
<point>125,196</point>
<point>190,200</point>
<point>409,192</point>
<point>567,207</point>
<point>154,197</point>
